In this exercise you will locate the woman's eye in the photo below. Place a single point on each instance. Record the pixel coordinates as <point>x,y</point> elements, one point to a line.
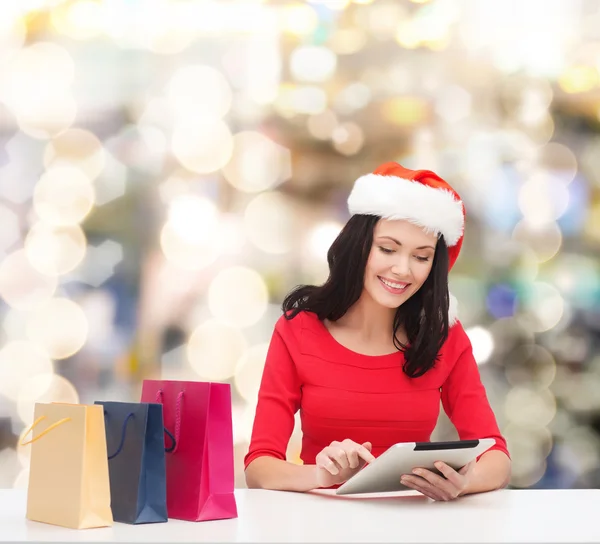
<point>423,259</point>
<point>386,250</point>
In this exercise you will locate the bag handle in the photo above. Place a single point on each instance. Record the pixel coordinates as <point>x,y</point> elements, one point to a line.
<point>123,430</point>
<point>159,400</point>
<point>45,431</point>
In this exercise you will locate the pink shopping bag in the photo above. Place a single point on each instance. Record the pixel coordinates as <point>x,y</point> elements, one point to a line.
<point>200,473</point>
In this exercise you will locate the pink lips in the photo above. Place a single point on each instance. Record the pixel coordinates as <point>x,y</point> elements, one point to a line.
<point>393,290</point>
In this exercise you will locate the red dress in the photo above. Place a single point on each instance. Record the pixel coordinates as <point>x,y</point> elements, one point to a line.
<point>342,394</point>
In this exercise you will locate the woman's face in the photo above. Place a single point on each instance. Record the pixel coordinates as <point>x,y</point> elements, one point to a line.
<point>399,263</point>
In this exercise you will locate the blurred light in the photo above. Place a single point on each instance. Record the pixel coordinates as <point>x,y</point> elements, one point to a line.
<point>536,440</point>
<point>501,301</point>
<point>80,20</point>
<point>44,388</point>
<point>321,237</point>
<point>257,163</point>
<point>509,334</point>
<point>470,292</point>
<point>269,223</point>
<point>543,199</point>
<point>231,235</point>
<point>21,285</point>
<point>9,462</point>
<point>79,148</point>
<point>188,237</point>
<point>36,87</point>
<point>347,41</point>
<point>10,232</point>
<point>306,99</point>
<point>22,480</point>
<point>582,393</point>
<point>578,277</point>
<point>527,471</point>
<point>99,263</point>
<point>544,240</point>
<point>63,196</point>
<point>322,125</point>
<point>167,27</point>
<point>249,372</point>
<point>298,19</point>
<point>54,251</point>
<point>580,451</point>
<point>46,118</point>
<point>12,36</point>
<point>579,79</point>
<point>453,103</point>
<point>20,361</point>
<point>482,342</point>
<point>214,349</point>
<point>238,296</point>
<point>348,138</point>
<point>558,160</point>
<point>199,90</point>
<point>258,66</point>
<point>353,97</point>
<point>190,215</point>
<point>531,366</point>
<point>202,145</point>
<point>312,63</point>
<point>406,110</point>
<point>332,4</point>
<point>59,326</point>
<point>111,183</point>
<point>541,308</point>
<point>528,408</point>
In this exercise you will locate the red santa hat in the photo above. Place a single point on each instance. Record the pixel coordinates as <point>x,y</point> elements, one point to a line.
<point>419,196</point>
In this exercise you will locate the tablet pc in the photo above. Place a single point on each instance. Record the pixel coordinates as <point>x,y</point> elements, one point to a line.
<point>383,474</point>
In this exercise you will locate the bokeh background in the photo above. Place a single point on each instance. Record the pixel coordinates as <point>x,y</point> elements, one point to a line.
<point>169,169</point>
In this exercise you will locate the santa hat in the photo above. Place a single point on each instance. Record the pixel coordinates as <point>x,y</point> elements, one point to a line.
<point>419,196</point>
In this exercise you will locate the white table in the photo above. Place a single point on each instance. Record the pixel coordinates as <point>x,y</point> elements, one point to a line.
<point>272,516</point>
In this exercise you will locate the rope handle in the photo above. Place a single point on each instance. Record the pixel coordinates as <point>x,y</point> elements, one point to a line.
<point>44,432</point>
<point>123,430</point>
<point>159,400</point>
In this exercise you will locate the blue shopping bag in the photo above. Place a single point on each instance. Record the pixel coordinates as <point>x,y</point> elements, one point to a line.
<point>136,461</point>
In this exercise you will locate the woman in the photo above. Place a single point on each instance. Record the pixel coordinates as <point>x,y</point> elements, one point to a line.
<point>367,357</point>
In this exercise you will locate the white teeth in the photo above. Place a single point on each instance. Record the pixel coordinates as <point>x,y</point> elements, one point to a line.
<point>394,285</point>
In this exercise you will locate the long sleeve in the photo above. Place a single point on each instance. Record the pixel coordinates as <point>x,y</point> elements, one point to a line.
<point>465,400</point>
<point>278,401</point>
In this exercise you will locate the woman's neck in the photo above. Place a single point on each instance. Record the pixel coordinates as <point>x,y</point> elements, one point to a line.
<point>369,320</point>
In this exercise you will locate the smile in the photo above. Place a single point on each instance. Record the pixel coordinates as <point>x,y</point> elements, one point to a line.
<point>397,288</point>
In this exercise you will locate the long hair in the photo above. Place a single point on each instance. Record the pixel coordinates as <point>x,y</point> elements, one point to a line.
<point>424,315</point>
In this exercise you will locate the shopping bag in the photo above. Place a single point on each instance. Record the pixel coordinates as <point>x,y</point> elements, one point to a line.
<point>68,476</point>
<point>200,473</point>
<point>136,461</point>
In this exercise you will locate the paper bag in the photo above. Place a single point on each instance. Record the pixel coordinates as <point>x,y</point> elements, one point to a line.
<point>68,477</point>
<point>136,461</point>
<point>200,471</point>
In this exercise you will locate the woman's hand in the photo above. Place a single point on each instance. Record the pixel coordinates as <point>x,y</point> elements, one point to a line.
<point>437,487</point>
<point>340,461</point>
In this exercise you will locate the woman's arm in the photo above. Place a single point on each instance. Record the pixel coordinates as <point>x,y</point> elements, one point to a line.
<point>270,473</point>
<point>491,472</point>
<point>279,398</point>
<point>465,401</point>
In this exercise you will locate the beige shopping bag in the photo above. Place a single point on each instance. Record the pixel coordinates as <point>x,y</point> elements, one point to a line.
<point>68,479</point>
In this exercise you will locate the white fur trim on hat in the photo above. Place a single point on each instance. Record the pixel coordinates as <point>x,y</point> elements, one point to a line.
<point>392,197</point>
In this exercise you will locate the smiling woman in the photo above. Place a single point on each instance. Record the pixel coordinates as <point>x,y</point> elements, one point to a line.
<point>367,357</point>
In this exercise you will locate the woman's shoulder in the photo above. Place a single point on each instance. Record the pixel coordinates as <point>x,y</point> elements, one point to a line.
<point>294,324</point>
<point>457,340</point>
